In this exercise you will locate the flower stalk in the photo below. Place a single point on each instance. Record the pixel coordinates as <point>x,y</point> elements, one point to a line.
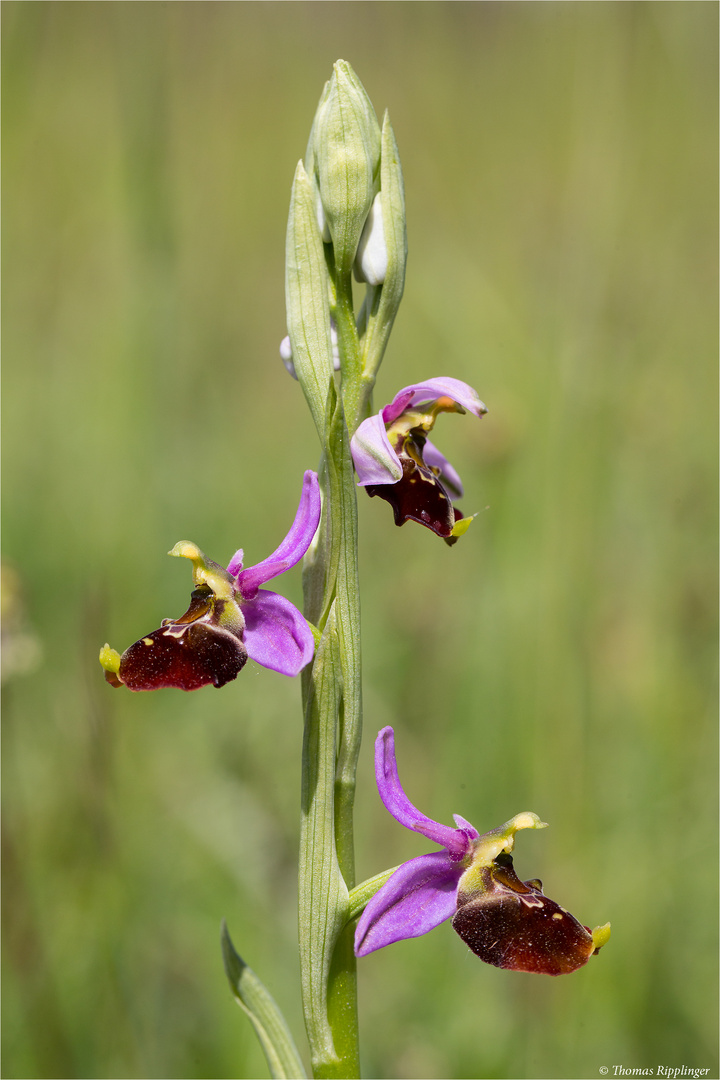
<point>333,726</point>
<point>339,179</point>
<point>347,200</point>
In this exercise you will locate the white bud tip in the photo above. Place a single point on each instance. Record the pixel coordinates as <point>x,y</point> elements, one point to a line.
<point>372,256</point>
<point>335,347</point>
<point>286,356</point>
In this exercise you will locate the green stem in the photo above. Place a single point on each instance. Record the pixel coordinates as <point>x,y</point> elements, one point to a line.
<point>342,991</point>
<point>356,387</point>
<point>348,341</point>
<point>323,896</point>
<point>332,700</point>
<point>342,988</point>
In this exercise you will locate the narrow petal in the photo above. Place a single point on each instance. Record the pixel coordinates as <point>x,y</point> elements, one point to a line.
<point>397,803</point>
<point>466,827</point>
<point>418,897</point>
<point>374,458</point>
<point>431,390</point>
<point>448,475</point>
<point>236,563</point>
<point>294,545</point>
<point>276,635</point>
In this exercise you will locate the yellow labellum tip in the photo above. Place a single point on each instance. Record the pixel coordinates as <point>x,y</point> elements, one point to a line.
<point>601,935</point>
<point>110,659</point>
<point>462,525</point>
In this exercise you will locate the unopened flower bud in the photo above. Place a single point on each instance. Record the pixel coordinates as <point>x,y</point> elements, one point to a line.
<point>335,346</point>
<point>382,252</point>
<point>286,356</point>
<point>345,156</point>
<point>372,254</point>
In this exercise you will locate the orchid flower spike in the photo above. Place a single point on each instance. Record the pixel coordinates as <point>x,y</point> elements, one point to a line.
<point>395,459</point>
<point>230,618</point>
<point>507,922</point>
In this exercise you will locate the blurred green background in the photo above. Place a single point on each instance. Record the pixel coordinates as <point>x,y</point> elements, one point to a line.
<point>560,167</point>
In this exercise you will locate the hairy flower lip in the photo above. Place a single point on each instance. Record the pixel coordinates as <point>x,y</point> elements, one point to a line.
<point>512,924</point>
<point>197,655</point>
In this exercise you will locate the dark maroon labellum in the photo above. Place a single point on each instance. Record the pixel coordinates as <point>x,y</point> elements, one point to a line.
<point>418,495</point>
<point>512,924</point>
<point>186,653</point>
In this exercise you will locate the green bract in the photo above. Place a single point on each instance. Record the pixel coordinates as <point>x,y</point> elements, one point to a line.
<point>307,299</point>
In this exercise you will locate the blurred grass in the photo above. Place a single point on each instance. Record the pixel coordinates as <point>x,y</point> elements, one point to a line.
<point>560,164</point>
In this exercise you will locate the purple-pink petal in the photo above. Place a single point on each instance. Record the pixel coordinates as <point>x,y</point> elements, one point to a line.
<point>397,803</point>
<point>276,635</point>
<point>448,475</point>
<point>419,896</point>
<point>431,390</point>
<point>374,458</point>
<point>293,547</point>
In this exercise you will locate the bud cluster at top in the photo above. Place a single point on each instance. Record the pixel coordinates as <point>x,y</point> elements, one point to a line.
<point>347,214</point>
<point>343,160</point>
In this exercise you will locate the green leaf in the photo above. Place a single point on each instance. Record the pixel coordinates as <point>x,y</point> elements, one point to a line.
<point>254,999</point>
